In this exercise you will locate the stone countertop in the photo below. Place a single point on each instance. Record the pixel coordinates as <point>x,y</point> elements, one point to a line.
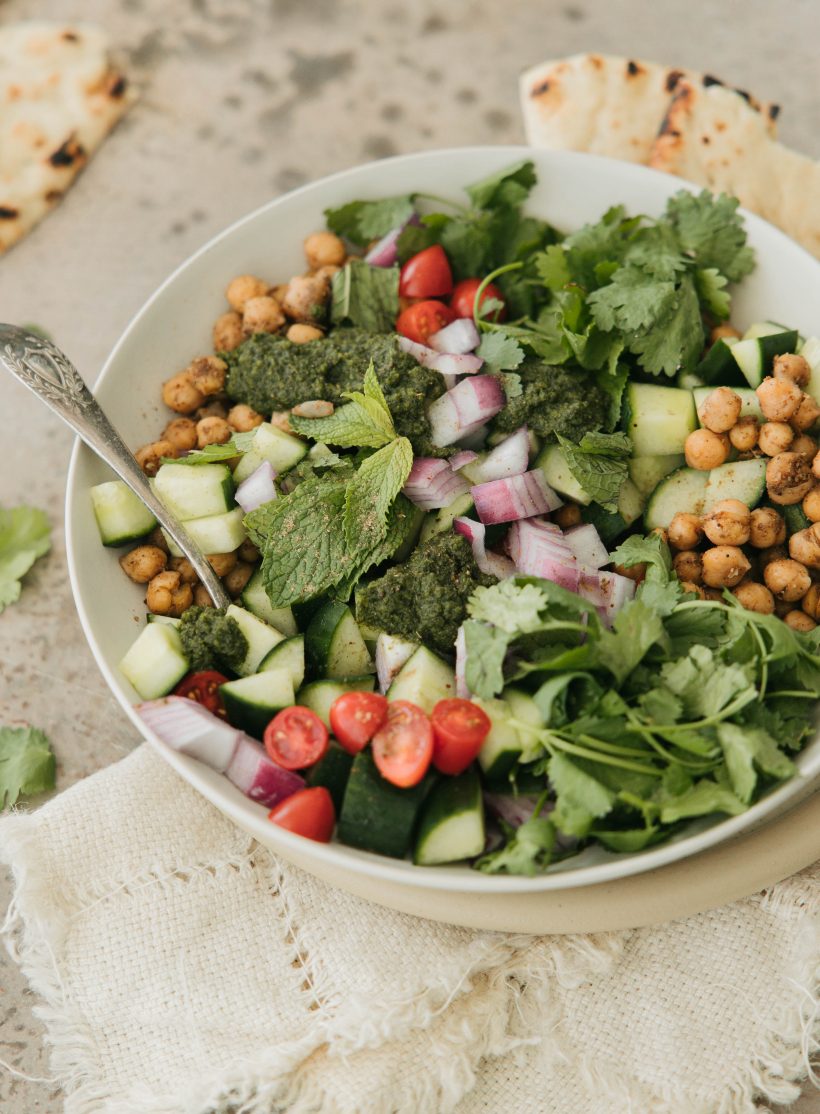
<point>241,100</point>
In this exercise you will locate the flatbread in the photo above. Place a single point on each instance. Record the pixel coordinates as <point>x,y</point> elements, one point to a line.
<point>608,105</point>
<point>59,98</point>
<point>713,140</point>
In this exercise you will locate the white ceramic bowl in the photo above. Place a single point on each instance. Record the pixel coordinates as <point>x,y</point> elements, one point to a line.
<point>175,325</point>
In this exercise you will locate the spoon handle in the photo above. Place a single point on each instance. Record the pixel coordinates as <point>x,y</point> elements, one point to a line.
<point>48,372</point>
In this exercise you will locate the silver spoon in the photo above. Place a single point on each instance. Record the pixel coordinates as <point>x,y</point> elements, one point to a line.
<point>46,371</point>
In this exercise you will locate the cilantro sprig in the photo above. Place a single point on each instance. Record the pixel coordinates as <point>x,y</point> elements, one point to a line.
<point>27,764</point>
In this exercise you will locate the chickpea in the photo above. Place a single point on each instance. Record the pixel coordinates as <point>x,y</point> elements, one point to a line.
<point>313,408</point>
<point>212,431</point>
<point>788,478</point>
<point>805,445</point>
<point>281,420</point>
<point>214,409</point>
<point>305,297</point>
<point>743,435</point>
<point>689,566</point>
<point>754,597</point>
<point>157,538</point>
<point>724,566</point>
<point>766,528</point>
<point>775,437</point>
<point>183,566</point>
<point>792,367</point>
<point>806,414</point>
<point>222,563</point>
<point>799,620</point>
<point>705,450</point>
<point>179,393</point>
<point>149,457</point>
<point>728,523</point>
<point>328,271</point>
<point>773,553</point>
<point>810,603</point>
<point>720,410</point>
<point>693,589</point>
<point>301,334</point>
<point>779,398</point>
<point>181,432</point>
<point>248,551</point>
<point>243,418</point>
<point>811,505</point>
<point>207,373</point>
<point>804,546</point>
<point>227,332</point>
<point>262,315</point>
<point>713,594</point>
<point>242,289</point>
<point>237,578</point>
<point>167,595</point>
<point>201,597</point>
<point>685,531</point>
<point>278,292</point>
<point>324,249</point>
<point>721,332</point>
<point>815,465</point>
<point>788,580</point>
<point>567,516</point>
<point>143,563</point>
<point>632,572</point>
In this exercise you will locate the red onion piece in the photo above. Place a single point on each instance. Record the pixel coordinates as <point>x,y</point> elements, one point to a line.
<point>385,252</point>
<point>464,409</point>
<point>492,563</point>
<point>509,458</point>
<point>447,363</point>
<point>586,544</point>
<point>258,488</point>
<point>461,665</point>
<point>433,484</point>
<point>608,591</point>
<point>466,456</point>
<point>459,336</point>
<point>391,654</point>
<point>189,728</point>
<point>515,497</point>
<point>539,552</point>
<point>258,777</point>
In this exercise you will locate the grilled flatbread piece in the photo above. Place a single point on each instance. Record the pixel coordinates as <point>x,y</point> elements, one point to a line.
<point>59,98</point>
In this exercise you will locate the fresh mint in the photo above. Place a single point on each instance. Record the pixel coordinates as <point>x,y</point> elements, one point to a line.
<point>599,462</point>
<point>25,535</point>
<point>364,422</point>
<point>365,296</point>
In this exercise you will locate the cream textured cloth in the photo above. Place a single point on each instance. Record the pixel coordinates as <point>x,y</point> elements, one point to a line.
<point>184,970</point>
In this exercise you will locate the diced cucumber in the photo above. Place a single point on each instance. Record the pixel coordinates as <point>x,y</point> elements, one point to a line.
<point>646,472</point>
<point>319,695</point>
<point>218,533</point>
<point>451,824</point>
<point>442,521</point>
<point>376,815</point>
<point>472,471</point>
<point>609,524</point>
<point>502,747</point>
<point>195,491</point>
<point>749,402</point>
<point>658,419</point>
<point>630,502</point>
<point>763,329</point>
<point>424,679</point>
<point>684,491</point>
<point>269,443</point>
<point>553,464</point>
<point>288,654</point>
<point>255,599</point>
<point>810,351</point>
<point>261,638</point>
<point>740,479</point>
<point>412,536</point>
<point>121,516</point>
<point>163,620</point>
<point>252,702</point>
<point>525,710</point>
<point>795,518</point>
<point>155,661</point>
<point>719,365</point>
<point>754,356</point>
<point>332,771</point>
<point>334,646</point>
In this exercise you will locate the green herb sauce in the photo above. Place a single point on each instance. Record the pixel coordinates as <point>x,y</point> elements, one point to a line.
<point>554,400</point>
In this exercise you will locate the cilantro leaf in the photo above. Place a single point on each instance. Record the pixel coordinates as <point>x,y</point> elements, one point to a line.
<point>651,551</point>
<point>704,797</point>
<point>635,630</point>
<point>599,462</point>
<point>364,422</point>
<point>511,607</point>
<point>372,491</point>
<point>632,302</point>
<point>580,798</point>
<point>711,291</point>
<point>552,267</point>
<point>485,649</point>
<point>365,296</point>
<point>26,763</point>
<point>528,849</point>
<point>508,187</point>
<point>363,221</point>
<point>710,230</point>
<point>25,535</point>
<point>676,340</point>
<point>500,351</point>
<point>707,685</point>
<point>657,251</point>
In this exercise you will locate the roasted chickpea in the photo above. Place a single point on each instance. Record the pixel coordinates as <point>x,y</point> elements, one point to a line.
<point>743,435</point>
<point>754,597</point>
<point>167,595</point>
<point>179,393</point>
<point>149,457</point>
<point>805,445</point>
<point>242,289</point>
<point>685,531</point>
<point>792,367</point>
<point>721,332</point>
<point>301,334</point>
<point>689,566</point>
<point>201,597</point>
<point>181,432</point>
<point>804,546</point>
<point>632,572</point>
<point>811,505</point>
<point>766,528</point>
<point>724,566</point>
<point>262,315</point>
<point>788,580</point>
<point>324,249</point>
<point>313,408</point>
<point>237,578</point>
<point>227,332</point>
<point>212,431</point>
<point>248,551</point>
<point>222,563</point>
<point>773,553</point>
<point>216,408</point>
<point>720,410</point>
<point>281,420</point>
<point>815,465</point>
<point>243,418</point>
<point>693,589</point>
<point>306,297</point>
<point>705,450</point>
<point>567,516</point>
<point>810,603</point>
<point>788,478</point>
<point>207,373</point>
<point>806,414</point>
<point>775,437</point>
<point>727,523</point>
<point>779,398</point>
<point>799,620</point>
<point>143,563</point>
<point>183,566</point>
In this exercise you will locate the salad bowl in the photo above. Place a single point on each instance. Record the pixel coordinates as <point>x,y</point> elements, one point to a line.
<point>572,189</point>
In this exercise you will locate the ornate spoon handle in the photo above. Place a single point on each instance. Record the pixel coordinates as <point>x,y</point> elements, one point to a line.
<point>48,372</point>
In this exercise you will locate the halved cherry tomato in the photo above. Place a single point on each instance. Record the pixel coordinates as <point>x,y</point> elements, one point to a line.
<point>403,746</point>
<point>309,813</point>
<point>463,299</point>
<point>296,738</point>
<point>426,274</point>
<point>418,322</point>
<point>204,689</point>
<point>459,729</point>
<point>355,717</point>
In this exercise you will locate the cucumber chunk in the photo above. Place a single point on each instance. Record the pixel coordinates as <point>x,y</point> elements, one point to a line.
<point>451,824</point>
<point>376,815</point>
<point>810,351</point>
<point>750,404</point>
<point>754,355</point>
<point>290,655</point>
<point>658,419</point>
<point>252,702</point>
<point>319,695</point>
<point>332,771</point>
<point>261,638</point>
<point>646,472</point>
<point>763,329</point>
<point>553,464</point>
<point>442,521</point>
<point>282,450</point>
<point>684,491</point>
<point>217,533</point>
<point>255,599</point>
<point>525,710</point>
<point>719,365</point>
<point>334,646</point>
<point>424,679</point>
<point>630,502</point>
<point>795,518</point>
<point>502,747</point>
<point>155,662</point>
<point>740,479</point>
<point>121,516</point>
<point>195,491</point>
<point>164,620</point>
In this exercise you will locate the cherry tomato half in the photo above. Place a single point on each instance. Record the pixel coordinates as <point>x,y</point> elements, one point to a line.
<point>403,746</point>
<point>459,729</point>
<point>204,689</point>
<point>309,813</point>
<point>296,738</point>
<point>355,717</point>
<point>463,299</point>
<point>420,321</point>
<point>426,274</point>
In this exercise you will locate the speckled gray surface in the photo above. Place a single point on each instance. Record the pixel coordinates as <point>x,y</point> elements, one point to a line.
<point>241,100</point>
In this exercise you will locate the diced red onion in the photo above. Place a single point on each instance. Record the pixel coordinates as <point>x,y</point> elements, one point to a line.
<point>515,497</point>
<point>385,252</point>
<point>586,544</point>
<point>461,665</point>
<point>608,591</point>
<point>257,489</point>
<point>459,336</point>
<point>538,552</point>
<point>509,458</point>
<point>448,363</point>
<point>466,456</point>
<point>391,654</point>
<point>258,776</point>
<point>492,563</point>
<point>433,484</point>
<point>191,729</point>
<point>464,409</point>
<point>546,536</point>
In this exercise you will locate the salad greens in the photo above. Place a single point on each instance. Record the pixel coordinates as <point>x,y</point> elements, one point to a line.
<point>365,296</point>
<point>25,535</point>
<point>599,464</point>
<point>26,763</point>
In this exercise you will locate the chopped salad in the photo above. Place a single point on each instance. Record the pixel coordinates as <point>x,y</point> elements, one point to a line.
<point>523,537</point>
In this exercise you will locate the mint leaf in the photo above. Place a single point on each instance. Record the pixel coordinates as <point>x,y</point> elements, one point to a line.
<point>26,763</point>
<point>25,535</point>
<point>599,464</point>
<point>364,422</point>
<point>373,490</point>
<point>363,221</point>
<point>365,296</point>
<point>676,340</point>
<point>215,454</point>
<point>711,291</point>
<point>500,351</point>
<point>580,798</point>
<point>508,187</point>
<point>632,302</point>
<point>710,230</point>
<point>486,648</point>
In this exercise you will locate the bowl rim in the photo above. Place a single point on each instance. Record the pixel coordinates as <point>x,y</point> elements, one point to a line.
<point>247,814</point>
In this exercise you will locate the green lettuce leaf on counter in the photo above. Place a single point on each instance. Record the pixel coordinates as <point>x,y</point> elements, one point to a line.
<point>27,764</point>
<point>25,535</point>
